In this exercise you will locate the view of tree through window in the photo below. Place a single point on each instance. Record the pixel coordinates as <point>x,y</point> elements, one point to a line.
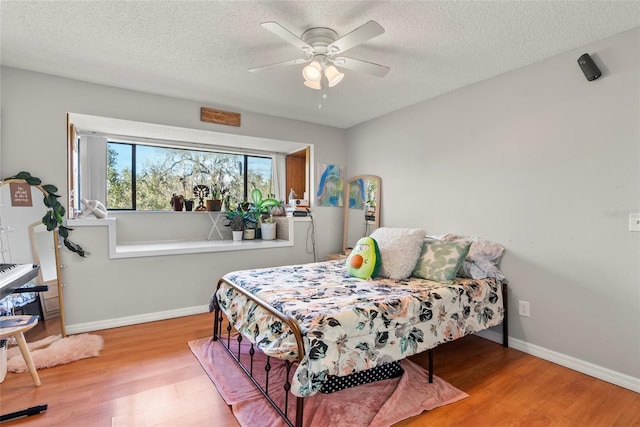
<point>145,177</point>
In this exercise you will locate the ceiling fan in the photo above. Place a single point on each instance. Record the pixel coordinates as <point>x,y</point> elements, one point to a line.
<point>322,47</point>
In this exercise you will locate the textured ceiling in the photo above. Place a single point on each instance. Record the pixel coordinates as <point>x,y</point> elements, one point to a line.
<point>201,50</point>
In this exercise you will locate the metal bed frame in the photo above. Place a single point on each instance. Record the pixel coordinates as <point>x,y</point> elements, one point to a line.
<point>283,411</point>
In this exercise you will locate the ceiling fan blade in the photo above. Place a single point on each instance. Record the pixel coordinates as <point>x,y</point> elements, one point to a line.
<point>280,64</point>
<point>287,35</point>
<point>360,35</point>
<point>361,66</point>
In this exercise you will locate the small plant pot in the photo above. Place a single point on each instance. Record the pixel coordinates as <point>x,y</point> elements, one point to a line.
<point>268,231</point>
<point>177,203</point>
<point>237,235</point>
<point>249,233</point>
<point>214,205</point>
<point>188,205</point>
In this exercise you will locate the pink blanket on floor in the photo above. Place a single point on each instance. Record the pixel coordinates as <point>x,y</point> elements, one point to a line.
<point>378,404</point>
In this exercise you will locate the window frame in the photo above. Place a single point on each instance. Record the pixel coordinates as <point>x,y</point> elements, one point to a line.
<point>134,169</point>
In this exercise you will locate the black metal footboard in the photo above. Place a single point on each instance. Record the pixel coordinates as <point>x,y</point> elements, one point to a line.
<point>234,345</point>
<point>505,320</point>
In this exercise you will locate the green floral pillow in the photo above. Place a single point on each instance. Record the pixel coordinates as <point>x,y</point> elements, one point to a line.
<point>440,261</point>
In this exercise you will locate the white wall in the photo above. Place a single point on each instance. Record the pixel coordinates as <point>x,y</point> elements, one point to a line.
<point>101,291</point>
<point>546,163</point>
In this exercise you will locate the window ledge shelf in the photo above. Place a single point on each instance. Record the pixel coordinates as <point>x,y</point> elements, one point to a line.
<point>179,247</point>
<point>175,247</point>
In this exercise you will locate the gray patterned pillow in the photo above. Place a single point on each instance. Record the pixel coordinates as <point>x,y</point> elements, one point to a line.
<point>483,258</point>
<point>440,261</point>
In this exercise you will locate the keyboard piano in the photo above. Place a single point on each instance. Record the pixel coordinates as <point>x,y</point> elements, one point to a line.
<point>12,276</point>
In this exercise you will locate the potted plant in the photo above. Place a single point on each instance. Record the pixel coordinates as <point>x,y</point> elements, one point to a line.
<point>268,228</point>
<point>215,203</point>
<point>236,220</point>
<point>257,209</point>
<point>226,200</point>
<point>250,223</point>
<point>260,206</point>
<point>177,201</point>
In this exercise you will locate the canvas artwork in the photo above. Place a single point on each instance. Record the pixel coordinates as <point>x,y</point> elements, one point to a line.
<point>330,185</point>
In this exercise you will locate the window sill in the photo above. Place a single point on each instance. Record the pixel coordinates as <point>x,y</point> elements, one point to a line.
<point>177,247</point>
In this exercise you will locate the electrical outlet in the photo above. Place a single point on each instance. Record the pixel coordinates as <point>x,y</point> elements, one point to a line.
<point>523,308</point>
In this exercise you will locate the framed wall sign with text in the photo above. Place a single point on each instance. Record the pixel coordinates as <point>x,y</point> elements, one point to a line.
<point>20,194</point>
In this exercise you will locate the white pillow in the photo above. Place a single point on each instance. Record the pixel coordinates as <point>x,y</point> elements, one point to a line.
<point>399,250</point>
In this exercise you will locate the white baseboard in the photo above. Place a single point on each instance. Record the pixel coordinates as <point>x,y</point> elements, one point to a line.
<point>134,320</point>
<point>587,368</point>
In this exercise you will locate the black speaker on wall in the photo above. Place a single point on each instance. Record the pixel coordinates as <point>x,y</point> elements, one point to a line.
<point>589,68</point>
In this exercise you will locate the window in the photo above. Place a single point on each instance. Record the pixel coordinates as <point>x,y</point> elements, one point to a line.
<point>138,166</point>
<point>144,177</point>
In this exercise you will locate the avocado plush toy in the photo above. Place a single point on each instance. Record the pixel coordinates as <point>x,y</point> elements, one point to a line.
<point>364,260</point>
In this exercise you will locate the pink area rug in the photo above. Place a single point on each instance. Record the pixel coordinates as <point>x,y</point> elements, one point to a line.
<point>378,404</point>
<point>55,350</point>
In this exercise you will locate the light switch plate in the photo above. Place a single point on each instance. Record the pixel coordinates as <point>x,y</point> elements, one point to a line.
<point>634,221</point>
<point>523,309</point>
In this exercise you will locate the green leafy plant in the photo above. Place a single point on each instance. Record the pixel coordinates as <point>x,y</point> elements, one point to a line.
<point>215,192</point>
<point>54,218</point>
<point>236,219</point>
<point>259,206</point>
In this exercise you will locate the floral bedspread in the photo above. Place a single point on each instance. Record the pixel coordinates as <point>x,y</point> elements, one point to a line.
<point>349,324</point>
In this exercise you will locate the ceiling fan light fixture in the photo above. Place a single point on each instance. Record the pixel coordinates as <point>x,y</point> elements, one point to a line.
<point>321,46</point>
<point>333,76</point>
<point>312,72</point>
<point>312,84</point>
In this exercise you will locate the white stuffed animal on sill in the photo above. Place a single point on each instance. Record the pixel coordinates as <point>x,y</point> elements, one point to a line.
<point>92,207</point>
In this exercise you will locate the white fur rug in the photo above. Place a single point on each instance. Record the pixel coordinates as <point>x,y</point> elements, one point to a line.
<point>55,350</point>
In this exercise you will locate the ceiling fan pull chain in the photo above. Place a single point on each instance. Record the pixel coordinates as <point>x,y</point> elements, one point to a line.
<point>323,88</point>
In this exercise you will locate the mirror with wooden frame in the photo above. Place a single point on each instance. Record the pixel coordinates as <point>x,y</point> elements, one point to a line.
<point>361,209</point>
<point>46,253</point>
<point>45,247</point>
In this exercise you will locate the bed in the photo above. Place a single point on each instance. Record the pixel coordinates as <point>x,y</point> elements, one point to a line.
<point>328,326</point>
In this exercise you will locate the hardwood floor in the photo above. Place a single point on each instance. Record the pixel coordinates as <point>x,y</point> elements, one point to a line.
<point>147,376</point>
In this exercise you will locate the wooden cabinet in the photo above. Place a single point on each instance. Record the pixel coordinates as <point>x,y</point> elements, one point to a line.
<point>333,257</point>
<point>298,173</point>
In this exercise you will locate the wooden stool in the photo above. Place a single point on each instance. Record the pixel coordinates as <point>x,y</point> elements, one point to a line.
<point>16,326</point>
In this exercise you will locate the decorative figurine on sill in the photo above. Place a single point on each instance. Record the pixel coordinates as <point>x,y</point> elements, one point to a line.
<point>201,191</point>
<point>92,207</point>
